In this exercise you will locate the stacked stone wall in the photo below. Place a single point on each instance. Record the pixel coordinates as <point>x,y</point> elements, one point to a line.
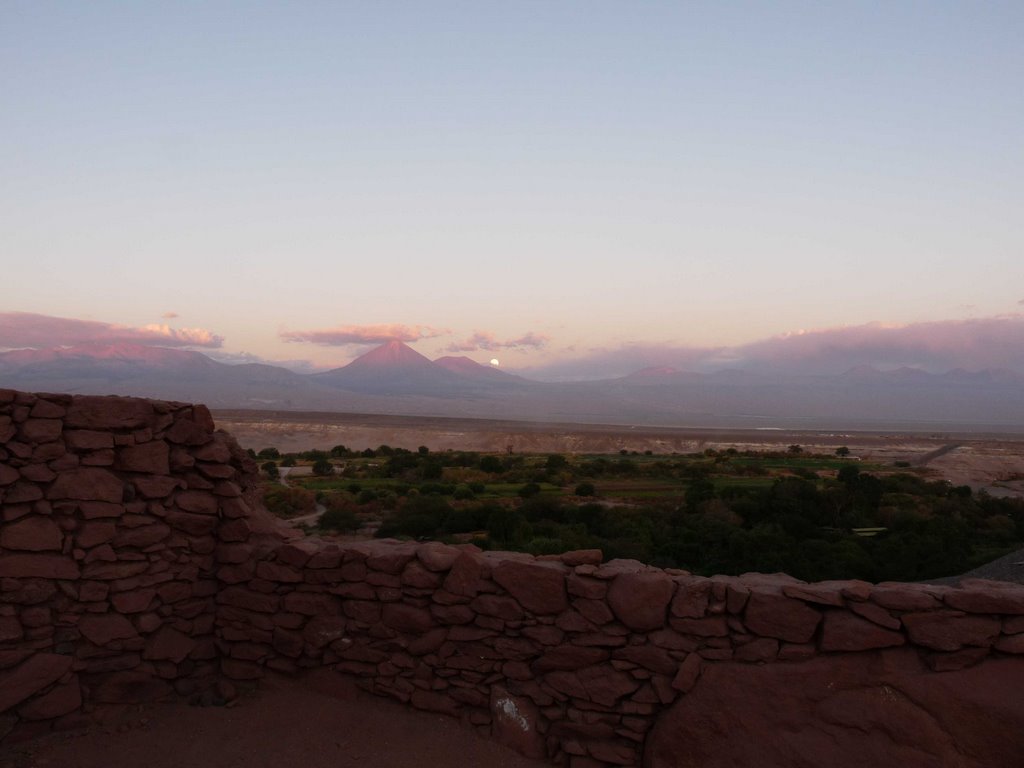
<point>131,561</point>
<point>109,513</point>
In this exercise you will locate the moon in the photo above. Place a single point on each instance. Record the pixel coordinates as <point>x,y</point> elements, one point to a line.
<point>494,361</point>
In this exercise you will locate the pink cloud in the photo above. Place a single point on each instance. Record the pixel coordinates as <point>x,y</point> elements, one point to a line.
<point>27,329</point>
<point>488,341</point>
<point>993,342</point>
<point>937,347</point>
<point>363,334</point>
<point>169,315</point>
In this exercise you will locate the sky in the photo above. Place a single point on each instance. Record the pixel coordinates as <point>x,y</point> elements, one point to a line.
<point>569,187</point>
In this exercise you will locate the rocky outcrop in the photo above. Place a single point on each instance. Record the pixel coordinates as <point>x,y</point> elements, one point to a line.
<point>135,562</point>
<point>854,710</point>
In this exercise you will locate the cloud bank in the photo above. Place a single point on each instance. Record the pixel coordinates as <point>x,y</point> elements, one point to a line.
<point>936,347</point>
<point>488,341</point>
<point>27,329</point>
<point>363,334</point>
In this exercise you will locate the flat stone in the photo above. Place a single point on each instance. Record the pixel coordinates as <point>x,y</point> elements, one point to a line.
<point>599,684</point>
<point>88,440</point>
<point>156,486</point>
<point>198,502</point>
<point>22,492</point>
<point>844,631</point>
<point>324,630</point>
<point>649,657</point>
<point>60,700</point>
<point>950,630</point>
<point>904,597</point>
<point>759,649</point>
<point>133,601</point>
<point>407,618</point>
<point>8,474</point>
<point>466,575</point>
<point>567,657</point>
<point>108,413</point>
<point>1010,644</point>
<point>775,615</point>
<point>87,484</point>
<point>876,614</point>
<point>38,566</point>
<point>32,675</point>
<point>103,628</point>
<point>35,534</point>
<point>692,598</point>
<point>977,596</point>
<point>390,557</point>
<point>538,587</point>
<point>142,537</point>
<point>47,409</point>
<point>10,629</point>
<point>824,593</point>
<point>40,430</point>
<point>168,643</point>
<point>582,557</point>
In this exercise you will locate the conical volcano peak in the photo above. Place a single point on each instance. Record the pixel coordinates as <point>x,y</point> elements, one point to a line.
<point>390,354</point>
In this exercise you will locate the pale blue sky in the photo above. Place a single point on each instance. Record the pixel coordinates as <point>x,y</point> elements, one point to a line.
<point>599,173</point>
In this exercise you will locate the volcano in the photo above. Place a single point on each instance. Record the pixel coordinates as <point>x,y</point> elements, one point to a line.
<point>394,368</point>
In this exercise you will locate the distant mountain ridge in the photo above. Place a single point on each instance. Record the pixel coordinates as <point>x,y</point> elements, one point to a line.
<point>394,378</point>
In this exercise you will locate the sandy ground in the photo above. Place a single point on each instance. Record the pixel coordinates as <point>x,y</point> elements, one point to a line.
<point>322,721</point>
<point>993,462</point>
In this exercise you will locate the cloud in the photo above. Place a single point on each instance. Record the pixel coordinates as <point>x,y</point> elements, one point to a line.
<point>27,329</point>
<point>977,343</point>
<point>169,315</point>
<point>488,341</point>
<point>363,334</point>
<point>937,347</point>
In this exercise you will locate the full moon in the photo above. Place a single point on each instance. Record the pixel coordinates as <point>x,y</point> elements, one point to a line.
<point>494,361</point>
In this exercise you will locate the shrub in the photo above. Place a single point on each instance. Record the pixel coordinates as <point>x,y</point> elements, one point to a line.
<point>490,464</point>
<point>322,468</point>
<point>586,489</point>
<point>339,519</point>
<point>289,501</point>
<point>528,490</point>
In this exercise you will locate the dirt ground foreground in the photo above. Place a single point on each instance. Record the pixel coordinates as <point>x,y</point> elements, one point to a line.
<point>319,721</point>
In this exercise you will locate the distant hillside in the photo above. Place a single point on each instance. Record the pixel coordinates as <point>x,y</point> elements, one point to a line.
<point>394,378</point>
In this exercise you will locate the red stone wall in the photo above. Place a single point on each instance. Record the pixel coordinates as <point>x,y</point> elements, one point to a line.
<point>109,511</point>
<point>131,561</point>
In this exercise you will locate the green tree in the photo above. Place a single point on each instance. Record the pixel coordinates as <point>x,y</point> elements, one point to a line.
<point>323,468</point>
<point>490,464</point>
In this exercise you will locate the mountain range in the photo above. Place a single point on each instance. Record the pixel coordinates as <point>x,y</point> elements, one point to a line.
<point>395,379</point>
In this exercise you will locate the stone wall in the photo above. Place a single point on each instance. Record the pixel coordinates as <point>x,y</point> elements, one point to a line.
<point>109,516</point>
<point>131,560</point>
